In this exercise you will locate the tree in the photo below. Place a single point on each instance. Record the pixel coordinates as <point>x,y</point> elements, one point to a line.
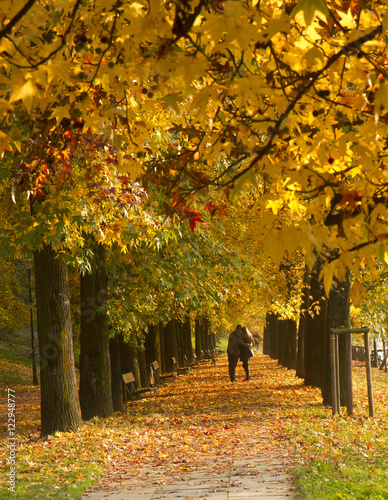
<point>316,331</point>
<point>338,316</point>
<point>115,363</point>
<point>60,409</point>
<point>275,92</point>
<point>170,344</point>
<point>13,295</point>
<point>273,327</point>
<point>152,344</point>
<point>300,365</point>
<point>95,390</point>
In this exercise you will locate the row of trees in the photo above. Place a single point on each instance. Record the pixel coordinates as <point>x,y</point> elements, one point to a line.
<point>135,302</point>
<point>303,345</point>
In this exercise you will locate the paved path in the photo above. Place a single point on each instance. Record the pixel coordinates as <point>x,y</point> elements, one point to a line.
<point>208,439</point>
<point>222,480</point>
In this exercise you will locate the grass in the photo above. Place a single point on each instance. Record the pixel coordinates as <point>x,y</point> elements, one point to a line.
<point>67,473</point>
<point>15,358</point>
<point>336,457</point>
<point>344,457</point>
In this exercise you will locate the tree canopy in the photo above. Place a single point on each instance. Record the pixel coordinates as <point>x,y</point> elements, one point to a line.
<point>203,96</point>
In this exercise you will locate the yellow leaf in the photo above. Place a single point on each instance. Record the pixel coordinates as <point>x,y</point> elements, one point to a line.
<point>357,292</point>
<point>313,57</point>
<point>347,20</point>
<point>327,277</point>
<point>385,21</point>
<point>4,104</point>
<point>60,113</point>
<point>309,8</point>
<point>274,205</point>
<point>4,143</point>
<point>26,93</point>
<point>248,176</point>
<point>381,101</point>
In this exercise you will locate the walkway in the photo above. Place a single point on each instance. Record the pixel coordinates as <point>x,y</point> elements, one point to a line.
<point>209,439</point>
<point>233,480</point>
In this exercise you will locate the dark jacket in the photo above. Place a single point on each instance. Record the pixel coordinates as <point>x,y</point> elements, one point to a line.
<point>234,343</point>
<point>246,352</point>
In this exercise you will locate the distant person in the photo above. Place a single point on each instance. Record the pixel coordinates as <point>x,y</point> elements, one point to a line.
<point>234,342</point>
<point>246,352</point>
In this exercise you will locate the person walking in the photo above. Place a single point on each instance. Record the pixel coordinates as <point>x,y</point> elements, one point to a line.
<point>234,342</point>
<point>246,352</point>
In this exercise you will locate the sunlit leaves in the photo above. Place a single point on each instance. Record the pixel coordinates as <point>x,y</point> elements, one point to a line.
<point>309,8</point>
<point>289,98</point>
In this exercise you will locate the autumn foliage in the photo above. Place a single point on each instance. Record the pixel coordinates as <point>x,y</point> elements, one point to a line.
<point>202,95</point>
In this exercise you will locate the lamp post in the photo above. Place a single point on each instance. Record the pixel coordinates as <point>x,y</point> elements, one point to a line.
<point>34,371</point>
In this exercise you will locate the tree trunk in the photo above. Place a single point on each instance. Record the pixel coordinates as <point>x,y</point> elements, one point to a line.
<point>337,317</point>
<point>188,346</point>
<point>198,338</point>
<point>207,334</point>
<point>152,345</point>
<point>375,361</point>
<point>300,371</point>
<point>184,344</point>
<point>143,368</point>
<point>129,358</point>
<point>274,336</point>
<point>179,342</point>
<point>162,348</point>
<point>95,389</point>
<point>204,331</point>
<point>266,335</point>
<point>212,335</point>
<point>60,409</point>
<point>290,355</point>
<point>115,363</point>
<point>170,344</point>
<point>283,339</point>
<point>315,334</point>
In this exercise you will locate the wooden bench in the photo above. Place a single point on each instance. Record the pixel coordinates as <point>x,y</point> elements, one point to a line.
<point>130,390</point>
<point>154,374</point>
<point>128,380</point>
<point>154,366</point>
<point>177,369</point>
<point>196,361</point>
<point>211,354</point>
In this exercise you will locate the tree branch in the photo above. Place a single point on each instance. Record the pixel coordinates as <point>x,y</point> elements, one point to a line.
<point>350,48</point>
<point>63,41</point>
<point>22,12</point>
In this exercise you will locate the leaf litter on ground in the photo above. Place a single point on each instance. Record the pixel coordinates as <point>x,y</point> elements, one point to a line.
<point>201,421</point>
